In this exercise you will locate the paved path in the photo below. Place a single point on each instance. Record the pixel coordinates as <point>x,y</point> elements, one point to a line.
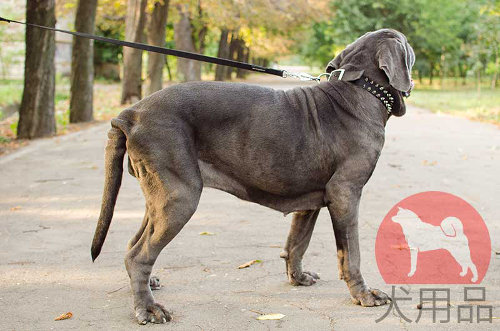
<point>50,195</point>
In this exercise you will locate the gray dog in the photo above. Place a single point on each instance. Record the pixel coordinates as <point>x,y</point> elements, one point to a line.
<point>293,151</point>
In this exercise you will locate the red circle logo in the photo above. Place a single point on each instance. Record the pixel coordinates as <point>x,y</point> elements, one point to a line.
<point>433,238</point>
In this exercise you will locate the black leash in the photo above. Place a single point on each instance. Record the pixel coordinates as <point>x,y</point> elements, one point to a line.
<point>378,91</point>
<point>163,50</point>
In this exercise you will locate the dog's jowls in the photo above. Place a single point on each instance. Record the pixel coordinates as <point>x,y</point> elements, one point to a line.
<point>293,151</point>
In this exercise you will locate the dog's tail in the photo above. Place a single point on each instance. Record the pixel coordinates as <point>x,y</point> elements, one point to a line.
<point>115,151</point>
<point>452,227</point>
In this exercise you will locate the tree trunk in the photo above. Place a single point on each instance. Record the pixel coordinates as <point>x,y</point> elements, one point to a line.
<point>233,47</point>
<point>223,52</point>
<point>479,82</point>
<point>132,58</point>
<point>242,57</point>
<point>431,72</point>
<point>495,74</point>
<point>36,114</point>
<point>443,67</point>
<point>156,36</point>
<point>462,72</point>
<point>82,65</point>
<point>202,33</point>
<point>187,70</point>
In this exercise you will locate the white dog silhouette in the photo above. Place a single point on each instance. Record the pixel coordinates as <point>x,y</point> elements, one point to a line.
<point>422,237</point>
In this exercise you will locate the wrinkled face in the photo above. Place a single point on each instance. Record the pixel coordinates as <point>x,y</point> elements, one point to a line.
<point>383,52</point>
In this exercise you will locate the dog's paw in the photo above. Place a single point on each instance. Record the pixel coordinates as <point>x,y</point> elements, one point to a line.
<point>306,278</point>
<point>154,283</point>
<point>371,297</point>
<point>153,313</point>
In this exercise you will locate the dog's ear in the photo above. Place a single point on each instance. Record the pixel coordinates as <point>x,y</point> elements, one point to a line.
<point>351,71</point>
<point>334,64</point>
<point>394,59</point>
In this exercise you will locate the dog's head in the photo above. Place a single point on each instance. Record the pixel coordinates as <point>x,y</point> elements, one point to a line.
<point>384,56</point>
<point>404,216</point>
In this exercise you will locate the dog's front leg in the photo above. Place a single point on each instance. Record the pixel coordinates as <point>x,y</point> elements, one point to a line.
<point>298,240</point>
<point>343,202</point>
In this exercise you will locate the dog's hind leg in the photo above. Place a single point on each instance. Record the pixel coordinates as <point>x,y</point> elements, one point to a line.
<point>473,269</point>
<point>298,240</point>
<point>172,186</point>
<point>154,282</point>
<point>139,233</point>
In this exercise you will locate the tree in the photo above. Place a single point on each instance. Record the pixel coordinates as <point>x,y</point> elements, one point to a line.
<point>82,65</point>
<point>157,24</point>
<point>233,49</point>
<point>187,70</point>
<point>223,52</point>
<point>36,113</point>
<point>132,58</point>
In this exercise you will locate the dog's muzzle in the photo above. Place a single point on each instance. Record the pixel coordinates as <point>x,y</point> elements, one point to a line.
<point>407,93</point>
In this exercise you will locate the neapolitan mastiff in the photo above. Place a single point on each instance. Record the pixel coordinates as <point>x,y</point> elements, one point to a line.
<point>293,151</point>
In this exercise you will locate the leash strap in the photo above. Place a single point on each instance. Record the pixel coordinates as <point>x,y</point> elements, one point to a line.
<point>163,50</point>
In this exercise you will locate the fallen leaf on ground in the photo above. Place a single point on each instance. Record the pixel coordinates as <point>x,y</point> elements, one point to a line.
<point>65,316</point>
<point>400,246</point>
<point>427,163</point>
<point>270,317</point>
<point>206,233</point>
<point>15,208</point>
<point>249,263</point>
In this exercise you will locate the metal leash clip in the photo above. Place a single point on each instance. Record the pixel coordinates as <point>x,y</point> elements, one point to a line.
<point>307,77</point>
<point>300,75</point>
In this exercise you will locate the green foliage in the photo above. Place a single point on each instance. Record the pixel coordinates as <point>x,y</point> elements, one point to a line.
<point>10,91</point>
<point>104,52</point>
<point>13,128</point>
<point>452,37</point>
<point>320,47</point>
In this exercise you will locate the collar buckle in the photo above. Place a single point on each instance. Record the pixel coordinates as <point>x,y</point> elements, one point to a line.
<point>339,77</point>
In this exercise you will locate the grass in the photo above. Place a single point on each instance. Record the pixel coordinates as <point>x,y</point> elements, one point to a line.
<point>467,102</point>
<point>10,92</point>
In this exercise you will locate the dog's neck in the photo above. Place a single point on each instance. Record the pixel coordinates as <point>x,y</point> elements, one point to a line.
<point>386,94</point>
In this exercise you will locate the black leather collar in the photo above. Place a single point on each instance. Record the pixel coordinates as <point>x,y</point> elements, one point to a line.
<point>378,91</point>
<point>385,94</point>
